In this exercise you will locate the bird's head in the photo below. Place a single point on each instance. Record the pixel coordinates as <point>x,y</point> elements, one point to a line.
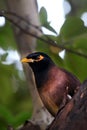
<point>38,61</point>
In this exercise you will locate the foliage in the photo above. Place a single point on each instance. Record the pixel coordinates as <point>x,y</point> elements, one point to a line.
<point>15,101</point>
<point>73,35</point>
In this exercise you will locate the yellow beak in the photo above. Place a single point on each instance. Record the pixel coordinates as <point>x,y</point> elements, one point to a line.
<point>25,60</point>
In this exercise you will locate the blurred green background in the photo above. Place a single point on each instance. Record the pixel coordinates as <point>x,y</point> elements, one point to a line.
<point>15,100</point>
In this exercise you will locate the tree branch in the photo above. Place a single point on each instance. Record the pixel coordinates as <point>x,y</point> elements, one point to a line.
<point>26,29</point>
<point>74,115</point>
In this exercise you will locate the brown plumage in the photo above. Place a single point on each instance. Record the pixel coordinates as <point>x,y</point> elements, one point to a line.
<point>55,85</point>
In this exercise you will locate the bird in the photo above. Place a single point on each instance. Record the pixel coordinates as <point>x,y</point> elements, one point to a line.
<point>56,86</point>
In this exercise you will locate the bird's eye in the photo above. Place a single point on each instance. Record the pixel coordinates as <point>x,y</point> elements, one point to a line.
<point>39,58</point>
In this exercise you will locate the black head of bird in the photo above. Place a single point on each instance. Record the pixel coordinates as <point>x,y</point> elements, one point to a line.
<point>55,85</point>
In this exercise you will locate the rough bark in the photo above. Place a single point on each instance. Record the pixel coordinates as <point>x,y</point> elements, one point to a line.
<point>26,44</point>
<point>74,115</point>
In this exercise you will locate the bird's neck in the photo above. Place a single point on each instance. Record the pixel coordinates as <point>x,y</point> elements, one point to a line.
<point>41,75</point>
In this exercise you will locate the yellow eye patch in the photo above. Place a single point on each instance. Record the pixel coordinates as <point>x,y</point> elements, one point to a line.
<point>39,58</point>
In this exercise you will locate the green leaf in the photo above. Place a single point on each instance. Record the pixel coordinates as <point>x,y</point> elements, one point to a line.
<point>43,15</point>
<point>72,27</point>
<point>80,43</point>
<point>77,65</point>
<point>49,27</point>
<point>44,22</point>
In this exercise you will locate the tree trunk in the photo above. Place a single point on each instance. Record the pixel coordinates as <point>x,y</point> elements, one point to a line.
<point>26,44</point>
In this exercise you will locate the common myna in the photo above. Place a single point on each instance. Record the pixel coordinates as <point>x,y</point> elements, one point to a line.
<point>55,85</point>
